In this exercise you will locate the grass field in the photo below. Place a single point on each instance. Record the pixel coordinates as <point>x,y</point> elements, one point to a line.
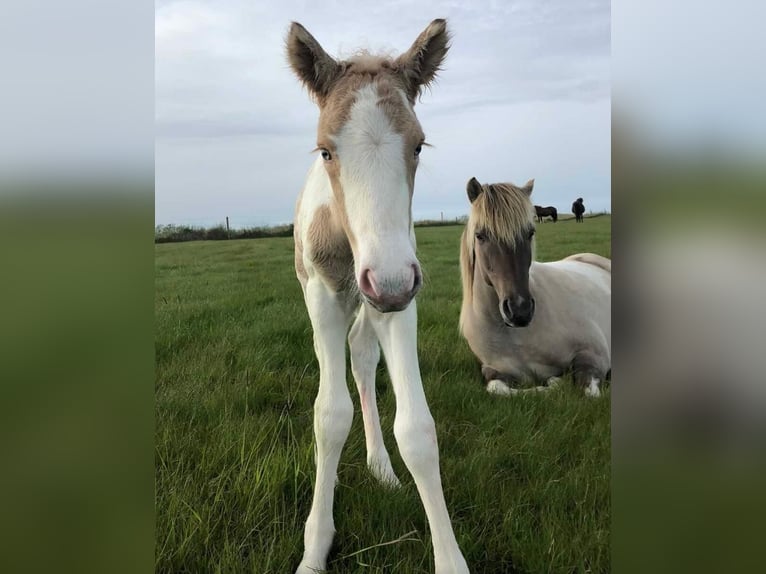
<point>526,479</point>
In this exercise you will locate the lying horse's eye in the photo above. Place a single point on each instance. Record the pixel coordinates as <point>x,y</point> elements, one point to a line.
<point>418,149</point>
<point>480,236</point>
<point>326,155</point>
<point>531,233</point>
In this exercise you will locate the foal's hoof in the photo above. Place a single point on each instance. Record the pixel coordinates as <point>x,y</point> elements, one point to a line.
<point>384,473</point>
<point>304,568</point>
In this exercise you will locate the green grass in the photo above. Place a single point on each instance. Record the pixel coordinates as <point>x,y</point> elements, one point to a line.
<point>526,479</point>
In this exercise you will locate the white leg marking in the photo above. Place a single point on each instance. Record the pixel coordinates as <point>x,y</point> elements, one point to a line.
<point>553,382</point>
<point>592,390</point>
<point>415,431</point>
<point>365,354</point>
<point>333,412</point>
<point>498,387</point>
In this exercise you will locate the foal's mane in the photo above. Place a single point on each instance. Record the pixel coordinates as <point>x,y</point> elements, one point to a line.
<point>502,211</point>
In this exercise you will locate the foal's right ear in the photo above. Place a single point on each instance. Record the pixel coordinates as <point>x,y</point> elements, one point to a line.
<point>314,67</point>
<point>474,189</point>
<point>420,64</point>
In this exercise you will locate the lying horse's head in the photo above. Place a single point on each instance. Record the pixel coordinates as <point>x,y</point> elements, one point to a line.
<point>370,141</point>
<point>501,230</point>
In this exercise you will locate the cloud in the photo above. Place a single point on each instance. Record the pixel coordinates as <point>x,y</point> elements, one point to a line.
<point>523,75</point>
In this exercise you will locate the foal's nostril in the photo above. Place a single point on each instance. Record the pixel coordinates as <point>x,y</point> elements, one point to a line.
<point>417,280</point>
<point>367,283</point>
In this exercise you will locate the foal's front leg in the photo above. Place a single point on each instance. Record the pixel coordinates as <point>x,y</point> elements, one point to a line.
<point>415,431</point>
<point>333,413</point>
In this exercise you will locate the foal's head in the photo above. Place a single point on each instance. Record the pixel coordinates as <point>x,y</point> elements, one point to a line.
<point>370,141</point>
<point>502,231</point>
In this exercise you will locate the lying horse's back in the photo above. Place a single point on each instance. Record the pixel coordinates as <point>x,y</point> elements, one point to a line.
<point>574,296</point>
<point>577,291</point>
<point>593,259</point>
<point>588,267</point>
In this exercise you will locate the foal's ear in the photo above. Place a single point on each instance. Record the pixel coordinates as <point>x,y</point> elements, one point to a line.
<point>423,60</point>
<point>314,67</point>
<point>474,189</point>
<point>528,187</point>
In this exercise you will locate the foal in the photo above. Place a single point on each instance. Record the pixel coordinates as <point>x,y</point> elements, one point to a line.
<point>355,260</point>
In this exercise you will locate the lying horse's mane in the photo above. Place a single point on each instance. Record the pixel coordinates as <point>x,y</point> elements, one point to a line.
<point>466,271</point>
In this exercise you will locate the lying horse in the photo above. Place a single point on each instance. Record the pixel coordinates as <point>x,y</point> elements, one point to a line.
<point>549,211</point>
<point>524,319</point>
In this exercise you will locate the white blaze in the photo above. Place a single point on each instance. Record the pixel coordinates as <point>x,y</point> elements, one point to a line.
<point>376,193</point>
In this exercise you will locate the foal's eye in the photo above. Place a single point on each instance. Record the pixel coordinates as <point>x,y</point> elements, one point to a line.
<point>481,237</point>
<point>326,155</point>
<point>418,149</point>
<point>531,233</point>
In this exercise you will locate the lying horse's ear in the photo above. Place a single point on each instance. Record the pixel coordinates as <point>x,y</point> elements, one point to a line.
<point>474,189</point>
<point>314,67</point>
<point>528,187</point>
<point>419,65</point>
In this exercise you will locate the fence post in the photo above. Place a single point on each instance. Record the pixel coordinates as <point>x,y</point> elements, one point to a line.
<point>228,233</point>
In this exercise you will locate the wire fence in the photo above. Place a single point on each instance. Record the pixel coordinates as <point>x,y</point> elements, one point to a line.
<point>172,233</point>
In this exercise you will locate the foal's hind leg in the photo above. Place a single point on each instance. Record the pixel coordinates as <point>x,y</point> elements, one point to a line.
<point>588,372</point>
<point>365,354</point>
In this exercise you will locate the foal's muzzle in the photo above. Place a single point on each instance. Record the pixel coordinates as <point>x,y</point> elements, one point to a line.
<point>517,312</point>
<point>388,296</point>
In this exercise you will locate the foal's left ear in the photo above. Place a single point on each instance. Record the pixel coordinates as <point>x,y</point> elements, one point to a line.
<point>423,60</point>
<point>528,187</point>
<point>474,189</point>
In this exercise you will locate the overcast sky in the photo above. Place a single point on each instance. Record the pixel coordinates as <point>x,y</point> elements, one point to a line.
<point>525,93</point>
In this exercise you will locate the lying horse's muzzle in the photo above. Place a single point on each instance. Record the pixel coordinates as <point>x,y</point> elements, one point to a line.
<point>518,312</point>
